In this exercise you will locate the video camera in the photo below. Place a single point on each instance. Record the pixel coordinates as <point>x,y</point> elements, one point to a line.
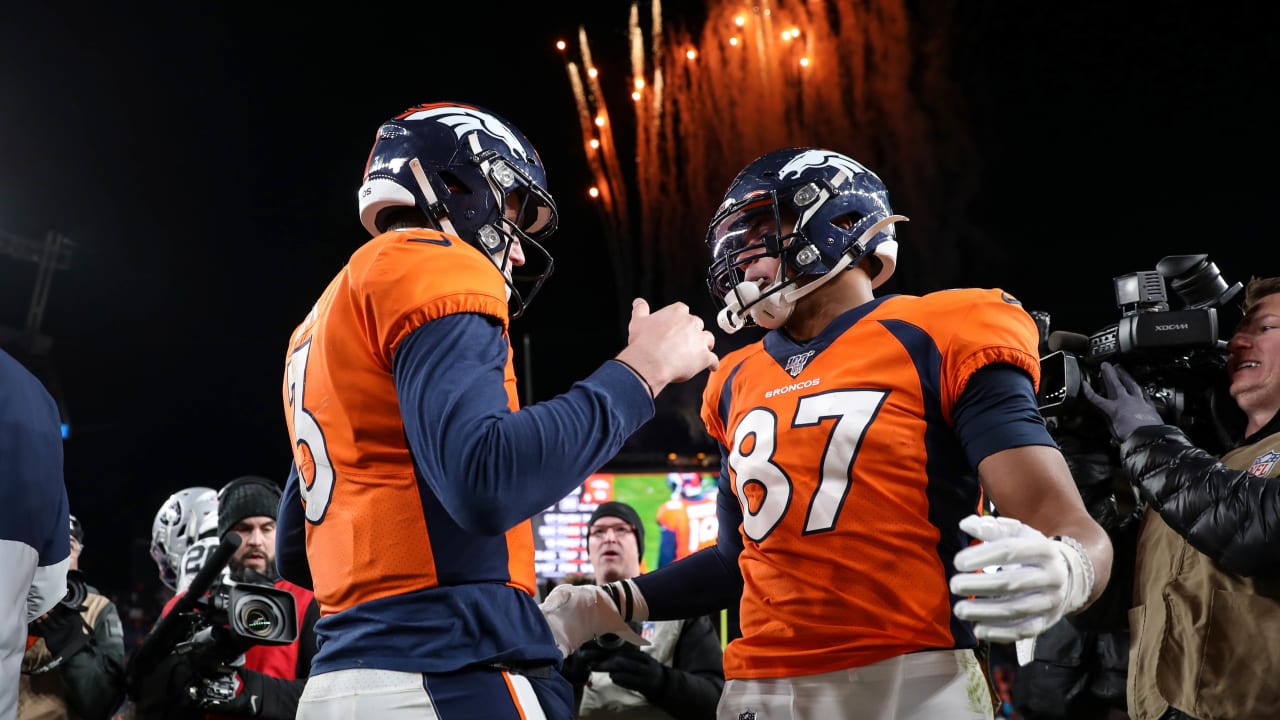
<point>243,614</point>
<point>216,620</point>
<point>77,591</point>
<point>1175,354</point>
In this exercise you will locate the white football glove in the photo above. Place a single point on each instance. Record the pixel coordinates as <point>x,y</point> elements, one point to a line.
<point>1040,579</point>
<point>578,613</point>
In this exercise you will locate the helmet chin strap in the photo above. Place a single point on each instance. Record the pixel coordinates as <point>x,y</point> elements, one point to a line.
<point>446,226</point>
<point>772,307</point>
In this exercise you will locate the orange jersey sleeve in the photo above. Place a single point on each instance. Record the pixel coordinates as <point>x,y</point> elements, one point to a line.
<point>851,480</point>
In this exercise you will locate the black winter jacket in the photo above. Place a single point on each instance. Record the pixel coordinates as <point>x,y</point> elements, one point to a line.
<point>1232,516</point>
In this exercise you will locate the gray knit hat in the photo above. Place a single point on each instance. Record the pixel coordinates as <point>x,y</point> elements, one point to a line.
<point>247,496</point>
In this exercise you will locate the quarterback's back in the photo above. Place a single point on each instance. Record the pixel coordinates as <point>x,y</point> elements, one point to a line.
<point>364,545</point>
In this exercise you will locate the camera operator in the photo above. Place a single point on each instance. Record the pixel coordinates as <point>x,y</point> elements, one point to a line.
<point>75,666</point>
<point>678,675</point>
<point>270,678</point>
<point>1206,590</point>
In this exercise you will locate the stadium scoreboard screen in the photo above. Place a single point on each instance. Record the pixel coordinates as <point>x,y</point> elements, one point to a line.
<point>560,531</point>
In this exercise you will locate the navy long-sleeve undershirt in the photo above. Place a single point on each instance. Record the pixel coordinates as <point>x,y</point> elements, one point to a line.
<point>490,467</point>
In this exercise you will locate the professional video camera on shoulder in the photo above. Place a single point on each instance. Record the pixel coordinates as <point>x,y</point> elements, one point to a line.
<point>243,614</point>
<point>217,619</point>
<point>1176,354</point>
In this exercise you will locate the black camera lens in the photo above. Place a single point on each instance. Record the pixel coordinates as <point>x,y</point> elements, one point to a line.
<point>260,618</point>
<point>77,591</point>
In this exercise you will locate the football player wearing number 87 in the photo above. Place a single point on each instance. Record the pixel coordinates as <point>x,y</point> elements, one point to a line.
<point>860,436</point>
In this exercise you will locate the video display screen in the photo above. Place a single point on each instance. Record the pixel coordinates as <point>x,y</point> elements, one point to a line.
<point>678,507</point>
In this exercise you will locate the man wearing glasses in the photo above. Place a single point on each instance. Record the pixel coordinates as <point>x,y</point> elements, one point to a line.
<point>679,674</point>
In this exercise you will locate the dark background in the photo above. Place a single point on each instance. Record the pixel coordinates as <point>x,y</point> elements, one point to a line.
<point>204,159</point>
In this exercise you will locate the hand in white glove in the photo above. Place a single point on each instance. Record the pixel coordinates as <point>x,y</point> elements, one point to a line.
<point>578,613</point>
<point>1041,579</point>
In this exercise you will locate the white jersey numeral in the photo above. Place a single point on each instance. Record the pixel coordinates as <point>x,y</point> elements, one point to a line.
<point>317,490</point>
<point>755,443</point>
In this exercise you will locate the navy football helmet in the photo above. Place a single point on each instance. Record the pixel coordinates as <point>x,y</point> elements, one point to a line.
<point>818,210</point>
<point>474,176</point>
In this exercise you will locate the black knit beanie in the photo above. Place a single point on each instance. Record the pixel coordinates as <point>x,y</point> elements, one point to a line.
<point>621,511</point>
<point>247,496</point>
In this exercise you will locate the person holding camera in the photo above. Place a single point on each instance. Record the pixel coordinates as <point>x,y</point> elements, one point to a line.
<point>679,674</point>
<point>74,664</point>
<point>1207,578</point>
<point>267,680</point>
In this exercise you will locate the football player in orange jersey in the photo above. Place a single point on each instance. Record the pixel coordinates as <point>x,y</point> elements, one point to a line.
<point>415,473</point>
<point>688,519</point>
<point>860,436</point>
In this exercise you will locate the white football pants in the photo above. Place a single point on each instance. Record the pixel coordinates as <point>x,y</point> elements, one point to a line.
<point>928,685</point>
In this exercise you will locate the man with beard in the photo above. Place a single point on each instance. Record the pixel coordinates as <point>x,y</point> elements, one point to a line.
<point>271,678</point>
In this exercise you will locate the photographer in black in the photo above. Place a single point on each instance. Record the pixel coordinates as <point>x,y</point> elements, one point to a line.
<point>264,679</point>
<point>679,675</point>
<point>1207,580</point>
<point>75,667</point>
<point>1080,665</point>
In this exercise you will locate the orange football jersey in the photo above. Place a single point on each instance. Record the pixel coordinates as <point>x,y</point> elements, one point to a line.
<point>851,480</point>
<point>367,537</point>
<point>693,523</point>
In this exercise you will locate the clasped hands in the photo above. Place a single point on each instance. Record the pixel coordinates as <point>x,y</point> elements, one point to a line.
<point>578,613</point>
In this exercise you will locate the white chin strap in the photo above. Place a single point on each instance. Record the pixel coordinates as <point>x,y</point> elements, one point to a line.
<point>415,166</point>
<point>446,226</point>
<point>771,307</point>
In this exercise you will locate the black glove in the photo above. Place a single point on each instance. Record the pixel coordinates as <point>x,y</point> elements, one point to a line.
<point>165,691</point>
<point>631,668</point>
<point>578,666</point>
<point>1128,408</point>
<point>64,633</point>
<point>236,693</point>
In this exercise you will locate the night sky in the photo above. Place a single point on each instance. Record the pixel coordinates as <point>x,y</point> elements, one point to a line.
<point>205,162</point>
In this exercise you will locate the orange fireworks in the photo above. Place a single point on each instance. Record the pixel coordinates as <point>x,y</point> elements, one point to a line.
<point>758,76</point>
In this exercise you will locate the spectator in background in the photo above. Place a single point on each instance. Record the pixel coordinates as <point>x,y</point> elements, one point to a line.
<point>1206,596</point>
<point>271,678</point>
<point>75,669</point>
<point>35,550</point>
<point>679,674</point>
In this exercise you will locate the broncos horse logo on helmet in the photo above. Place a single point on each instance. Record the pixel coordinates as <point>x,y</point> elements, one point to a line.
<point>818,159</point>
<point>818,210</point>
<point>474,176</point>
<point>464,120</point>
